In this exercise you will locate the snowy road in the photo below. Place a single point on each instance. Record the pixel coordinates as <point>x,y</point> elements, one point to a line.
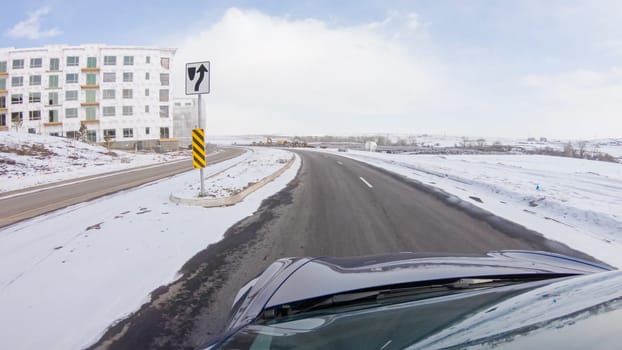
<point>335,207</point>
<point>21,206</point>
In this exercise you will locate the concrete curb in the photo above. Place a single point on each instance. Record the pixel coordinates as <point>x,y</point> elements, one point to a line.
<point>236,198</point>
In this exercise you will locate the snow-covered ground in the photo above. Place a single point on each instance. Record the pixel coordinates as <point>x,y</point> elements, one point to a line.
<point>66,276</point>
<point>251,168</point>
<point>574,201</point>
<point>28,160</point>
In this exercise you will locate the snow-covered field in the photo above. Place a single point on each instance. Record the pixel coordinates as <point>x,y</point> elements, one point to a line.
<point>28,160</point>
<point>251,168</point>
<point>574,201</point>
<point>66,276</point>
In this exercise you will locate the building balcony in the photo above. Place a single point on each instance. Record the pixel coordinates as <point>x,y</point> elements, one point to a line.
<point>89,104</point>
<point>96,86</point>
<point>4,92</point>
<point>53,124</point>
<point>90,121</point>
<point>4,74</point>
<point>4,128</point>
<point>90,70</point>
<point>3,110</point>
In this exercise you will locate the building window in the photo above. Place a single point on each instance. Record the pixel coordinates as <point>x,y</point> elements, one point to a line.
<point>91,79</point>
<point>71,95</point>
<point>146,92</point>
<point>91,113</point>
<point>148,59</point>
<point>164,95</point>
<point>146,75</point>
<point>128,110</point>
<point>91,62</point>
<point>128,132</point>
<point>164,62</point>
<point>110,77</point>
<point>110,134</point>
<point>34,115</point>
<point>91,135</point>
<point>128,93</point>
<point>128,60</point>
<point>110,60</point>
<point>164,133</point>
<point>17,81</point>
<point>147,131</point>
<point>164,79</point>
<point>16,99</point>
<point>53,98</point>
<point>71,78</point>
<point>2,66</point>
<point>32,130</point>
<point>73,61</point>
<point>91,96</point>
<point>34,97</point>
<point>18,64</point>
<point>71,113</point>
<point>108,94</point>
<point>36,62</point>
<point>109,111</point>
<point>54,64</point>
<point>53,81</point>
<point>147,109</point>
<point>163,111</point>
<point>2,101</point>
<point>17,117</point>
<point>128,77</point>
<point>2,84</point>
<point>35,80</point>
<point>53,115</point>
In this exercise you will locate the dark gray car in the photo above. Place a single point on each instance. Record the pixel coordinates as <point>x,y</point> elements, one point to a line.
<point>518,299</point>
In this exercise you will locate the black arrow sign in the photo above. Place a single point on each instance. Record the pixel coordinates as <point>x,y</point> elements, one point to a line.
<point>202,70</point>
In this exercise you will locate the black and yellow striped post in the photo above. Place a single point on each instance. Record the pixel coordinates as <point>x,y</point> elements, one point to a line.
<point>198,154</point>
<point>198,148</point>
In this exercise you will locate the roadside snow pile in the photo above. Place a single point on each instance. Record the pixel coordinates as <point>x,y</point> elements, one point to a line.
<point>28,160</point>
<point>252,167</point>
<point>574,201</point>
<point>68,275</point>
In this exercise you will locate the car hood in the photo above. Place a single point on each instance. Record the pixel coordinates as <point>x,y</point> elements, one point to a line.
<point>290,280</point>
<point>327,276</point>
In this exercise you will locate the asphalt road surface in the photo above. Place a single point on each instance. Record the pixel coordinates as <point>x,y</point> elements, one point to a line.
<point>24,204</point>
<point>336,207</point>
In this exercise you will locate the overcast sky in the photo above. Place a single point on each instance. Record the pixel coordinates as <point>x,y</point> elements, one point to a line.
<point>474,68</point>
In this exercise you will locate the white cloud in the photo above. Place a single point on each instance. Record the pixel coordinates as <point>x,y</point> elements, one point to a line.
<point>281,75</point>
<point>273,74</point>
<point>31,27</point>
<point>579,103</point>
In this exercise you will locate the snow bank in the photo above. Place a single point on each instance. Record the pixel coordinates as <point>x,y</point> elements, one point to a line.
<point>28,160</point>
<point>66,276</point>
<point>251,168</point>
<point>574,201</point>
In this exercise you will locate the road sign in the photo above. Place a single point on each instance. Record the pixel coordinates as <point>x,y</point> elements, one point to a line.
<point>197,78</point>
<point>198,148</point>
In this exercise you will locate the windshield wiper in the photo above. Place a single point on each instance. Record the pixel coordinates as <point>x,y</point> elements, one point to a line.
<point>398,293</point>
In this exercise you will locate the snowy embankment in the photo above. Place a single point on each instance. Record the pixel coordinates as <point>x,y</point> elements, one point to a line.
<point>28,160</point>
<point>574,201</point>
<point>66,276</point>
<point>252,167</point>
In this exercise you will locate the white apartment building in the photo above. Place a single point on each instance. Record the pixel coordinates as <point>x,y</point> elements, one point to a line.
<point>185,118</point>
<point>119,93</point>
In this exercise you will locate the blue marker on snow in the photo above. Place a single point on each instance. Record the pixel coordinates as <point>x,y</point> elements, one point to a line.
<point>537,187</point>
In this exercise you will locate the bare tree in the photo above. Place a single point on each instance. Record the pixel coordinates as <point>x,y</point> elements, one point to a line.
<point>582,146</point>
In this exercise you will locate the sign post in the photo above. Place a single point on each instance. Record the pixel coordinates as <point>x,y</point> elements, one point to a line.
<point>198,83</point>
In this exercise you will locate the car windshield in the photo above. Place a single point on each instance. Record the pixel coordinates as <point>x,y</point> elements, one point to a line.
<point>176,174</point>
